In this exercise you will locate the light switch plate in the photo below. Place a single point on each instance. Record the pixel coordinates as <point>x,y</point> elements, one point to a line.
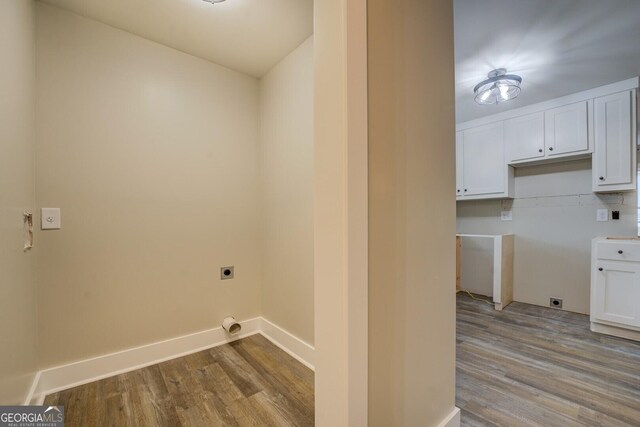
<point>602,215</point>
<point>50,218</point>
<point>506,215</point>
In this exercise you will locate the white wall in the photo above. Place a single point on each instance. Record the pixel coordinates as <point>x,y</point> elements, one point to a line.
<point>286,147</point>
<point>17,194</point>
<point>554,220</point>
<point>152,155</point>
<point>411,213</point>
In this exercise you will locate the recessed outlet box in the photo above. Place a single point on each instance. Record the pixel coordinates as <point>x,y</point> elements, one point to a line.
<point>555,302</point>
<point>506,215</point>
<point>226,273</point>
<point>602,215</point>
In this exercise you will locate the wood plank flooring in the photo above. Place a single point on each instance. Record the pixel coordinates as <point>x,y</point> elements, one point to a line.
<point>249,382</point>
<point>536,366</point>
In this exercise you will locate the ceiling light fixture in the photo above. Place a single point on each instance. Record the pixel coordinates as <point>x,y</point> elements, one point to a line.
<point>499,87</point>
<point>214,1</point>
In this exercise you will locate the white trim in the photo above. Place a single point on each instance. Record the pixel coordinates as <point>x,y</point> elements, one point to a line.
<point>300,350</point>
<point>497,272</point>
<point>38,399</point>
<point>89,370</point>
<point>451,420</point>
<point>82,372</point>
<point>488,236</point>
<point>32,389</point>
<point>622,332</point>
<point>553,103</point>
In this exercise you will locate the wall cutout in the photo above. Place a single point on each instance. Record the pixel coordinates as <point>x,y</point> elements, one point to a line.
<point>27,224</point>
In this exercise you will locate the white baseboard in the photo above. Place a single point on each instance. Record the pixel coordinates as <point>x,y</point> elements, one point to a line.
<point>298,349</point>
<point>629,334</point>
<point>74,374</point>
<point>32,390</point>
<point>451,420</point>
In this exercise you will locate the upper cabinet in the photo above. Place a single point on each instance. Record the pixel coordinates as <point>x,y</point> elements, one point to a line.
<point>524,138</point>
<point>600,122</point>
<point>481,170</point>
<point>615,155</point>
<point>550,135</point>
<point>459,179</point>
<point>566,129</point>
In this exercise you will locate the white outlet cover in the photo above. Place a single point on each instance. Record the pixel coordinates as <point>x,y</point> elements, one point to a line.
<point>506,215</point>
<point>50,218</point>
<point>602,215</point>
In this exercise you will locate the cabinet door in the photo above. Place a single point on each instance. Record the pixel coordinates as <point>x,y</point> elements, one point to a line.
<point>616,292</point>
<point>524,137</point>
<point>483,165</point>
<point>613,140</point>
<point>566,129</point>
<point>459,183</point>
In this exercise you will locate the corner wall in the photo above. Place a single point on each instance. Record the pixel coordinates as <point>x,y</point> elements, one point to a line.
<point>340,212</point>
<point>554,220</point>
<point>17,194</point>
<point>411,213</point>
<point>286,153</point>
<point>152,155</point>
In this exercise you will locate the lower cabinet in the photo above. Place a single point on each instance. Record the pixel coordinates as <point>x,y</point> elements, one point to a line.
<point>616,293</point>
<point>615,285</point>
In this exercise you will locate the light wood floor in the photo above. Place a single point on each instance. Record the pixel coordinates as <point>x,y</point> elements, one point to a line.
<point>249,382</point>
<point>536,366</point>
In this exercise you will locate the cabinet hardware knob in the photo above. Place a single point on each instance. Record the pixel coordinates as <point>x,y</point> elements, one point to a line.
<point>620,251</point>
<point>550,148</point>
<point>457,191</point>
<point>465,190</point>
<point>601,178</point>
<point>600,269</point>
<point>539,150</point>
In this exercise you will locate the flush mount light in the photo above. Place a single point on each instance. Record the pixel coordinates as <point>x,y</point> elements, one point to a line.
<point>499,87</point>
<point>214,1</point>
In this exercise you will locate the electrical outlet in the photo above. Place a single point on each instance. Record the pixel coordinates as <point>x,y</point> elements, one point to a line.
<point>555,302</point>
<point>506,215</point>
<point>226,273</point>
<point>602,215</point>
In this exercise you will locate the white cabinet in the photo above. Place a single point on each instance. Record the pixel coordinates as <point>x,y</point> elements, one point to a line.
<point>481,170</point>
<point>617,293</point>
<point>459,181</point>
<point>524,137</point>
<point>615,287</point>
<point>614,158</point>
<point>552,135</point>
<point>600,123</point>
<point>566,129</point>
<point>483,160</point>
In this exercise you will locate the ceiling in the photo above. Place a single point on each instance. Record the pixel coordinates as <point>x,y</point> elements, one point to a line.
<point>249,36</point>
<point>559,47</point>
